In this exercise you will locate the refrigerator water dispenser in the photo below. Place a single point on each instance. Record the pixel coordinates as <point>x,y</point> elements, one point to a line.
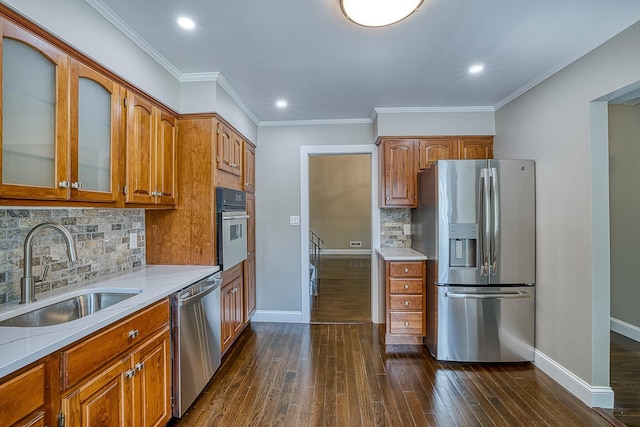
<point>463,240</point>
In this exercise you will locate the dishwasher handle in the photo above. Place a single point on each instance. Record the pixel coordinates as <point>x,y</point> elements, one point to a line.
<point>203,293</point>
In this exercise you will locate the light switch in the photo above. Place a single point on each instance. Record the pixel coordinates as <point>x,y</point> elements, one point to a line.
<point>407,229</point>
<point>294,220</point>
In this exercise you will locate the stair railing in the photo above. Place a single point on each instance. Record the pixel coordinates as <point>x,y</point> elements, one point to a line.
<point>315,249</point>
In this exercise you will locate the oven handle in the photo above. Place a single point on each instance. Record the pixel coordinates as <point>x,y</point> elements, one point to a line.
<point>231,218</point>
<point>205,291</point>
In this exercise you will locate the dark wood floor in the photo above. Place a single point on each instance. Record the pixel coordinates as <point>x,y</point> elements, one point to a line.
<point>625,379</point>
<point>344,290</point>
<point>343,375</point>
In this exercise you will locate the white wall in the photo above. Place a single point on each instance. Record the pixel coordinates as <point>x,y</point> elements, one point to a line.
<point>452,121</point>
<point>279,260</point>
<point>551,124</point>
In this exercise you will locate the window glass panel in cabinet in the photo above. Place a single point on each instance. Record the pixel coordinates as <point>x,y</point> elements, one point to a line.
<point>94,136</point>
<point>28,116</point>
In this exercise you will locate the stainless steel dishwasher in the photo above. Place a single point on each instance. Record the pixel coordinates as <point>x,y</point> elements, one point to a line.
<point>195,318</point>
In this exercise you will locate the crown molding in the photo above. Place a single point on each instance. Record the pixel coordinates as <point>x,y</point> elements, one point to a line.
<point>269,123</point>
<point>608,35</point>
<point>125,29</point>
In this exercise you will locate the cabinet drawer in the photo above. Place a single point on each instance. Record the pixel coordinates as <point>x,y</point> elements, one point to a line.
<point>407,323</point>
<point>405,302</point>
<point>79,361</point>
<point>22,395</point>
<point>405,286</point>
<point>406,269</point>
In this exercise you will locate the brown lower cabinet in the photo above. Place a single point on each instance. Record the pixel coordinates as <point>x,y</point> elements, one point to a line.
<point>406,302</point>
<point>119,376</point>
<point>232,305</point>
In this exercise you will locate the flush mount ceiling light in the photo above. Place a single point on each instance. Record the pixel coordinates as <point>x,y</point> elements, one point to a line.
<point>281,103</point>
<point>475,69</point>
<point>378,13</point>
<point>186,23</point>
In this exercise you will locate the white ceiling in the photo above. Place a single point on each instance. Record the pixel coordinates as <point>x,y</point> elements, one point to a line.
<point>327,68</point>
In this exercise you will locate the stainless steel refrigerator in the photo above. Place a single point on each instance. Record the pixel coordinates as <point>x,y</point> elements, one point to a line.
<point>475,221</point>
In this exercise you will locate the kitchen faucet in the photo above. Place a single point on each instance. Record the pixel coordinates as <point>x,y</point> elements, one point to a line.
<point>28,281</point>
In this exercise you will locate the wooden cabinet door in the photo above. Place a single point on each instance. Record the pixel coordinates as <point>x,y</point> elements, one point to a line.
<point>23,398</point>
<point>140,147</point>
<point>433,149</point>
<point>227,315</point>
<point>224,153</point>
<point>105,400</point>
<point>95,135</point>
<point>238,306</point>
<point>35,117</point>
<point>152,382</point>
<point>250,285</point>
<point>249,163</point>
<point>237,151</point>
<point>398,173</point>
<point>475,148</point>
<point>166,176</point>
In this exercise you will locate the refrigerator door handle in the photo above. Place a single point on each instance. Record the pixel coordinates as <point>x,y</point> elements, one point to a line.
<point>495,205</point>
<point>486,222</point>
<point>507,295</point>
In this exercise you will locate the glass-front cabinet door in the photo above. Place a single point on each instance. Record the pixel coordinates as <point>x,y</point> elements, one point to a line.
<point>35,131</point>
<point>95,131</point>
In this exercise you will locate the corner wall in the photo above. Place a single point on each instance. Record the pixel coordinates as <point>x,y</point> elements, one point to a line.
<point>551,124</point>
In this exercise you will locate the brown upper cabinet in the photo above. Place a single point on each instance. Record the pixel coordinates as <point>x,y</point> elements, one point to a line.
<point>229,153</point>
<point>35,118</point>
<point>150,153</point>
<point>249,169</point>
<point>398,173</point>
<point>402,158</point>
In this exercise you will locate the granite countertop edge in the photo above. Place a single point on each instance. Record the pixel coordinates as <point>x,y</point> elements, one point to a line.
<point>400,254</point>
<point>21,346</point>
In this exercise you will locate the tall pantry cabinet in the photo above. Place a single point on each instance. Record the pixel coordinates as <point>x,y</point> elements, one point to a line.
<point>210,153</point>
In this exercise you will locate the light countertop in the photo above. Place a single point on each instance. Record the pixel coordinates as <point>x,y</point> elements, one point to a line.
<point>400,254</point>
<point>20,346</point>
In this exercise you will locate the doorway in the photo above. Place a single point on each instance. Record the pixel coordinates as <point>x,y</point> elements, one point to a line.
<point>306,153</point>
<point>340,225</point>
<point>624,211</point>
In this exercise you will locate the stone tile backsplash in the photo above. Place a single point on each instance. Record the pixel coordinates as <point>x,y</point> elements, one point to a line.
<point>102,243</point>
<point>391,228</point>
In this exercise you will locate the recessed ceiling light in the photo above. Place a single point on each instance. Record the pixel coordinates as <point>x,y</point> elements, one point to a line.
<point>281,103</point>
<point>475,69</point>
<point>186,23</point>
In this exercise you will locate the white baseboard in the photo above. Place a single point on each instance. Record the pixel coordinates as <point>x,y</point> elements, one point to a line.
<point>277,316</point>
<point>592,396</point>
<point>626,329</point>
<point>345,252</point>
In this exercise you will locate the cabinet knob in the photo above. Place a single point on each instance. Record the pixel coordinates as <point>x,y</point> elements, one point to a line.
<point>406,270</point>
<point>133,333</point>
<point>406,323</point>
<point>406,286</point>
<point>406,303</point>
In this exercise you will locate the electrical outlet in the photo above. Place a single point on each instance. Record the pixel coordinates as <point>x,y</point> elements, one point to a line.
<point>355,244</point>
<point>133,240</point>
<point>294,220</point>
<point>407,229</point>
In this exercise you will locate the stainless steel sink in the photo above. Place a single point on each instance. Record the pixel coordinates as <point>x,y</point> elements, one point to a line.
<point>69,309</point>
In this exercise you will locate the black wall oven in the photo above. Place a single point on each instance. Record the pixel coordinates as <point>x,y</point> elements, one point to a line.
<point>231,227</point>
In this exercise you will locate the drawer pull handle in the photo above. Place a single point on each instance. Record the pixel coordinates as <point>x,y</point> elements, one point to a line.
<point>130,373</point>
<point>406,323</point>
<point>406,269</point>
<point>139,366</point>
<point>406,303</point>
<point>406,286</point>
<point>133,333</point>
